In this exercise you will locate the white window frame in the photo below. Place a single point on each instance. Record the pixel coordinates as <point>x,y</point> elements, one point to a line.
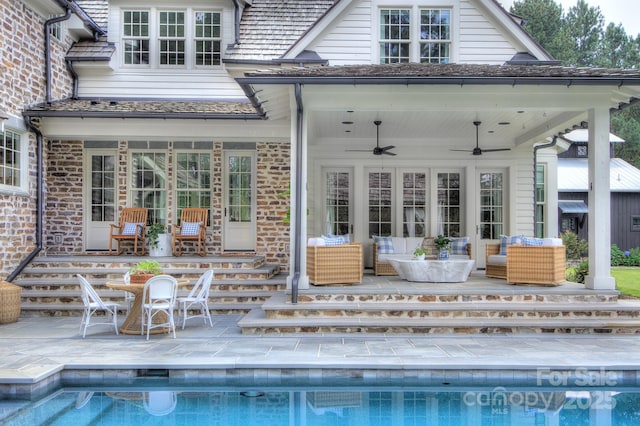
<point>415,41</point>
<point>16,126</point>
<point>131,193</point>
<point>435,205</point>
<point>189,39</point>
<point>177,191</point>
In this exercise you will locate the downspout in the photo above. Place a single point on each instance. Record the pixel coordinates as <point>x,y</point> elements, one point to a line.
<point>39,202</point>
<point>298,191</point>
<point>74,75</point>
<point>47,50</point>
<point>238,16</point>
<point>535,175</point>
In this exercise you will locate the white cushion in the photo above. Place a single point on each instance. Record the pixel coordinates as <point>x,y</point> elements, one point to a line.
<point>552,241</point>
<point>316,242</point>
<point>497,259</point>
<point>411,243</point>
<point>399,245</point>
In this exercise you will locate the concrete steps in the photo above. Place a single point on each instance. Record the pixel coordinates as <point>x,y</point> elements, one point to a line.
<point>50,287</point>
<point>436,311</point>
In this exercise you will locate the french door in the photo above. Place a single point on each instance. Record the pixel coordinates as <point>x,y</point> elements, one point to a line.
<point>239,224</point>
<point>492,210</point>
<point>99,198</point>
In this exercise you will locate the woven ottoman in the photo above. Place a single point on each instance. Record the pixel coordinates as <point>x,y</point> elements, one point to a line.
<point>9,302</point>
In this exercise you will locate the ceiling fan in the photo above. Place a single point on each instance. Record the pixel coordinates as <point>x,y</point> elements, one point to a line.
<point>477,150</point>
<point>377,150</point>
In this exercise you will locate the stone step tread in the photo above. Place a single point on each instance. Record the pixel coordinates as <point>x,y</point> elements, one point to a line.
<point>109,294</point>
<point>257,319</point>
<point>272,305</point>
<point>277,280</point>
<point>121,271</point>
<point>106,258</point>
<point>510,290</point>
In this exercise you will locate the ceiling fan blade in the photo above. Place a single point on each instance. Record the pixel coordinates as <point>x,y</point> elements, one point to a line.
<point>357,150</point>
<point>462,150</point>
<point>389,153</point>
<point>386,148</point>
<point>496,149</point>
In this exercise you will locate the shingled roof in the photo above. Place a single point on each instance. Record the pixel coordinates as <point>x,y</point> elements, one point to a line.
<point>444,71</point>
<point>270,27</point>
<point>120,108</point>
<point>98,10</point>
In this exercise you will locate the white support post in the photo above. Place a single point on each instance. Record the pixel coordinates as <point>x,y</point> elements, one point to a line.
<point>599,277</point>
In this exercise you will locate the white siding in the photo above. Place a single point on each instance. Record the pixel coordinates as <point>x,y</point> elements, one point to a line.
<point>352,39</point>
<point>178,82</point>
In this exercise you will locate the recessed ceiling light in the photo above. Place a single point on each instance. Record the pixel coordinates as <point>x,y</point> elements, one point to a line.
<point>347,131</point>
<point>349,110</point>
<point>347,122</point>
<point>491,131</point>
<point>520,112</point>
<point>504,123</point>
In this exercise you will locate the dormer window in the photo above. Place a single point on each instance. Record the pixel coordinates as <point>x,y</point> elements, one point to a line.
<point>403,41</point>
<point>160,38</point>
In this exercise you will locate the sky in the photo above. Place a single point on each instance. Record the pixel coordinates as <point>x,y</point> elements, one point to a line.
<point>625,12</point>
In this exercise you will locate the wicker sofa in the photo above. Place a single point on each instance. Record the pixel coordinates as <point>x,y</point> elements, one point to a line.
<point>335,264</point>
<point>403,249</point>
<point>527,264</point>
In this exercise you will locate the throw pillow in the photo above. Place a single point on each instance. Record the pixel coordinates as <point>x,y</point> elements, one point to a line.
<point>507,240</point>
<point>385,245</point>
<point>528,241</point>
<point>459,245</point>
<point>131,228</point>
<point>345,238</point>
<point>332,240</point>
<point>190,228</point>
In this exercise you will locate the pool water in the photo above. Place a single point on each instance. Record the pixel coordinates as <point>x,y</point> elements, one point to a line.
<point>319,407</point>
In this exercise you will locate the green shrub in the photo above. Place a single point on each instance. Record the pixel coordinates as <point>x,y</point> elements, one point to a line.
<point>577,249</point>
<point>582,271</point>
<point>617,256</point>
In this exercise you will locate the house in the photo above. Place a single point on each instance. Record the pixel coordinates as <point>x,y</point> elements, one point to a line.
<point>573,193</point>
<point>224,104</point>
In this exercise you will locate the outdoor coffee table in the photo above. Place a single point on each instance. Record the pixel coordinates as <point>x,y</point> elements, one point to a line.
<point>133,322</point>
<point>434,271</point>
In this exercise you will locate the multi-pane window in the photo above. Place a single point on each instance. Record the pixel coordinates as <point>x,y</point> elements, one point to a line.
<point>435,35</point>
<point>449,210</point>
<point>207,38</point>
<point>10,159</point>
<point>240,173</point>
<point>380,204</point>
<point>540,200</point>
<point>149,184</point>
<point>491,205</point>
<point>395,35</point>
<point>55,29</point>
<point>414,204</point>
<point>193,180</point>
<point>103,183</point>
<point>136,37</point>
<point>338,202</point>
<point>171,38</point>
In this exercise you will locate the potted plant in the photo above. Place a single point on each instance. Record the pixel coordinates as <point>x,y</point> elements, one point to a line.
<point>442,244</point>
<point>144,270</point>
<point>420,253</point>
<point>158,241</point>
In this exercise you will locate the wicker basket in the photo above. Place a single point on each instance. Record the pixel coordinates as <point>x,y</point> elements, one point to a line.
<point>9,302</point>
<point>140,278</point>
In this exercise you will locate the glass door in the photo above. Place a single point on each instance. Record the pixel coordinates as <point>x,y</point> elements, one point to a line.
<point>492,211</point>
<point>239,231</point>
<point>338,214</point>
<point>99,198</point>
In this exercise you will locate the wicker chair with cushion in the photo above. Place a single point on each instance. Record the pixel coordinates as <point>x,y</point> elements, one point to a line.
<point>496,266</point>
<point>192,228</point>
<point>335,264</point>
<point>536,264</point>
<point>132,227</point>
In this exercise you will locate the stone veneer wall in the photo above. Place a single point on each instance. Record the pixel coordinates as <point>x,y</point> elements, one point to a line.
<point>22,82</point>
<point>65,197</point>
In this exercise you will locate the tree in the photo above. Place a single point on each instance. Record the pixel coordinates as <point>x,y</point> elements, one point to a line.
<point>584,26</point>
<point>543,21</point>
<point>616,49</point>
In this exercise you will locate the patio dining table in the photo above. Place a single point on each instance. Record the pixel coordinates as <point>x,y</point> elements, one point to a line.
<point>133,322</point>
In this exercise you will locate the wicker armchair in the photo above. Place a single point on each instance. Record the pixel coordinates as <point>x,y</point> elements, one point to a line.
<point>335,264</point>
<point>536,265</point>
<point>494,270</point>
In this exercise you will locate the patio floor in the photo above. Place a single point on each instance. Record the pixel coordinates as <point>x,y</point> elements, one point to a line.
<point>36,349</point>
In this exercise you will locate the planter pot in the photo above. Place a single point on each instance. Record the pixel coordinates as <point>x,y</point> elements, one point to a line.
<point>443,255</point>
<point>421,257</point>
<point>140,278</point>
<point>163,248</point>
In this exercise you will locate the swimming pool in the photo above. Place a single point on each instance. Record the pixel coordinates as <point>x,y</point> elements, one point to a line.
<point>306,405</point>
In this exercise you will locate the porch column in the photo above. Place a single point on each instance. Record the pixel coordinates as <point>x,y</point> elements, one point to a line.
<point>298,193</point>
<point>599,277</point>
